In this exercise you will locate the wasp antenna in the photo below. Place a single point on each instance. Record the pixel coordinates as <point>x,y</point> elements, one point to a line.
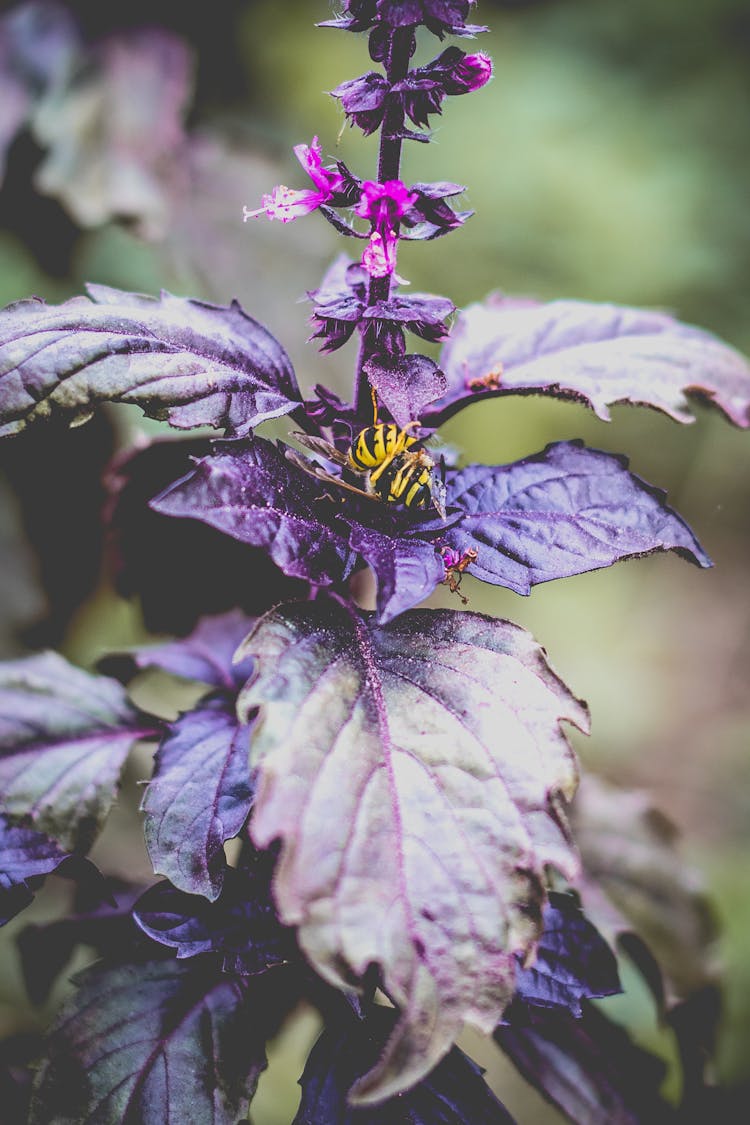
<point>374,397</point>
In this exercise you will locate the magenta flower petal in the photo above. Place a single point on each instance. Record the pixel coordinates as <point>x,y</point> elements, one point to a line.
<point>471,73</point>
<point>379,258</point>
<point>326,180</point>
<point>384,204</point>
<point>285,203</point>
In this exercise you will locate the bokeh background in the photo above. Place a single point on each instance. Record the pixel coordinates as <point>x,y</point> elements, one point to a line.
<point>607,160</point>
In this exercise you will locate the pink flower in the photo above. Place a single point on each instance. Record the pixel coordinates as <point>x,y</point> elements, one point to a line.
<point>379,258</point>
<point>470,73</point>
<point>285,203</point>
<point>384,205</point>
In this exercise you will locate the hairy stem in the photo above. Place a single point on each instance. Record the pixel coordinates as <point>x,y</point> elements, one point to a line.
<point>389,165</point>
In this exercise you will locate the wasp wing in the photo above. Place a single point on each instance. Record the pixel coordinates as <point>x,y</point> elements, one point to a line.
<point>439,495</point>
<point>320,473</point>
<point>324,448</point>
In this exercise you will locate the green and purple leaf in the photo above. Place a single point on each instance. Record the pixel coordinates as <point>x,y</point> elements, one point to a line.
<point>565,511</point>
<point>454,1093</point>
<point>599,354</point>
<point>162,1041</point>
<point>415,776</point>
<point>199,796</point>
<point>64,738</point>
<point>185,361</point>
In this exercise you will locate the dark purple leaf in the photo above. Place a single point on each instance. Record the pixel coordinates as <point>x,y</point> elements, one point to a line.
<point>185,361</point>
<point>241,926</point>
<point>199,796</point>
<point>329,412</point>
<point>251,491</point>
<point>573,961</point>
<point>588,1067</point>
<point>24,855</point>
<point>428,799</point>
<point>205,656</point>
<point>600,354</point>
<point>149,550</point>
<point>61,514</point>
<point>159,1042</point>
<point>420,312</point>
<point>431,216</point>
<point>567,510</point>
<point>114,132</point>
<point>364,100</point>
<point>407,570</point>
<point>439,189</point>
<point>17,1055</point>
<point>339,224</point>
<point>440,16</point>
<point>46,948</point>
<point>25,858</point>
<point>64,737</point>
<point>454,1093</point>
<point>406,384</point>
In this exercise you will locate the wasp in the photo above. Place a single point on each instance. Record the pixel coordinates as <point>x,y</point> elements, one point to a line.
<point>396,467</point>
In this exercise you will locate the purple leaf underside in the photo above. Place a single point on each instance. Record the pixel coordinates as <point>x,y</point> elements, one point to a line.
<point>64,738</point>
<point>205,655</point>
<point>454,1093</point>
<point>185,361</point>
<point>199,796</point>
<point>251,492</point>
<point>587,1067</point>
<point>156,1042</point>
<point>414,776</point>
<point>600,354</point>
<point>406,384</point>
<point>565,511</point>
<point>24,854</point>
<point>572,963</point>
<point>407,570</point>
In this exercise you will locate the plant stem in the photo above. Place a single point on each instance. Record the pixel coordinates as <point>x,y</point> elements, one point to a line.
<point>389,165</point>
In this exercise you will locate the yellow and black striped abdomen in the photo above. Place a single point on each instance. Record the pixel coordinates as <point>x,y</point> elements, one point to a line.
<point>405,481</point>
<point>377,444</point>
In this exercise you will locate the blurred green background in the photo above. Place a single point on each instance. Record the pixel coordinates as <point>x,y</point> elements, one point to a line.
<point>607,160</point>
